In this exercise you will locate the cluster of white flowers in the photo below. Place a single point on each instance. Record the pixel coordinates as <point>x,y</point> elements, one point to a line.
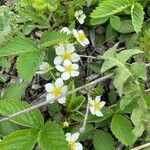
<point>80,16</point>
<point>72,141</point>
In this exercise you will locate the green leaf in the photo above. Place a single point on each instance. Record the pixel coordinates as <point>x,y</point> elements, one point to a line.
<point>50,38</point>
<point>98,21</point>
<point>115,22</point>
<point>137,15</point>
<point>139,70</point>
<point>28,64</point>
<point>75,102</point>
<point>52,137</point>
<point>109,7</point>
<point>112,59</point>
<point>122,129</point>
<point>32,119</point>
<point>4,63</point>
<point>103,141</point>
<point>17,46</point>
<point>20,140</point>
<point>95,66</point>
<point>15,91</point>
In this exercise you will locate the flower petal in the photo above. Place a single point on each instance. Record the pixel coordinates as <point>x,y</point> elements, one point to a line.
<point>98,98</point>
<point>49,98</point>
<point>64,89</point>
<point>86,42</point>
<point>58,60</point>
<point>68,137</point>
<point>75,136</point>
<point>62,100</point>
<point>59,82</point>
<point>65,75</point>
<point>67,62</point>
<point>102,103</point>
<point>81,20</point>
<point>49,87</point>
<point>92,110</point>
<point>78,146</point>
<point>59,49</point>
<point>70,48</point>
<point>98,113</point>
<point>40,72</point>
<point>60,68</point>
<point>74,73</point>
<point>75,57</point>
<point>75,32</point>
<point>75,66</point>
<point>65,30</point>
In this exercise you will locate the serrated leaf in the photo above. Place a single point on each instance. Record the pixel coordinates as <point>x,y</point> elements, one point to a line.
<point>98,21</point>
<point>15,91</point>
<point>109,7</point>
<point>137,15</point>
<point>28,64</point>
<point>115,22</point>
<point>103,141</point>
<point>75,102</point>
<point>32,119</point>
<point>4,63</point>
<point>52,137</point>
<point>122,129</point>
<point>112,59</point>
<point>50,38</point>
<point>18,46</point>
<point>20,140</point>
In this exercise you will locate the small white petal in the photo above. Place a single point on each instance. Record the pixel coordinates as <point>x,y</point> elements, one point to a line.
<point>74,73</point>
<point>67,62</point>
<point>65,30</point>
<point>81,32</point>
<point>59,82</point>
<point>102,103</point>
<point>98,113</point>
<point>75,66</point>
<point>75,136</point>
<point>62,100</point>
<point>79,146</point>
<point>60,68</point>
<point>75,57</point>
<point>70,48</point>
<point>98,98</point>
<point>44,65</point>
<point>60,49</point>
<point>58,60</point>
<point>49,87</point>
<point>81,20</point>
<point>49,98</point>
<point>40,72</point>
<point>68,137</point>
<point>86,42</point>
<point>80,12</point>
<point>65,75</point>
<point>92,110</point>
<point>64,89</point>
<point>75,32</point>
<point>83,16</point>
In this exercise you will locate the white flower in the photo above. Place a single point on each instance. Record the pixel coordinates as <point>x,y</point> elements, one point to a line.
<point>64,52</point>
<point>55,90</point>
<point>68,70</point>
<point>80,16</point>
<point>73,145</point>
<point>65,30</point>
<point>96,105</point>
<point>44,68</point>
<point>80,36</point>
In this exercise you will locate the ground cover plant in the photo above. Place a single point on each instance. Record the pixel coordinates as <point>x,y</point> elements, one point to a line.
<point>74,75</point>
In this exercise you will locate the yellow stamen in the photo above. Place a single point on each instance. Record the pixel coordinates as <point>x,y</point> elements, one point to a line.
<point>68,68</point>
<point>97,106</point>
<point>66,55</point>
<point>72,145</point>
<point>56,91</point>
<point>81,37</point>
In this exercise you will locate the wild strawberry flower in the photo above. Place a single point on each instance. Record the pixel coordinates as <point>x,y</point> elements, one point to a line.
<point>73,145</point>
<point>80,16</point>
<point>55,90</point>
<point>44,68</point>
<point>68,70</point>
<point>96,105</point>
<point>65,52</point>
<point>65,30</point>
<point>81,38</point>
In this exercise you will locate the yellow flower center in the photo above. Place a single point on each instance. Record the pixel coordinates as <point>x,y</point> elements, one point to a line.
<point>66,55</point>
<point>81,37</point>
<point>97,106</point>
<point>72,145</point>
<point>68,68</point>
<point>56,91</point>
<point>65,42</point>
